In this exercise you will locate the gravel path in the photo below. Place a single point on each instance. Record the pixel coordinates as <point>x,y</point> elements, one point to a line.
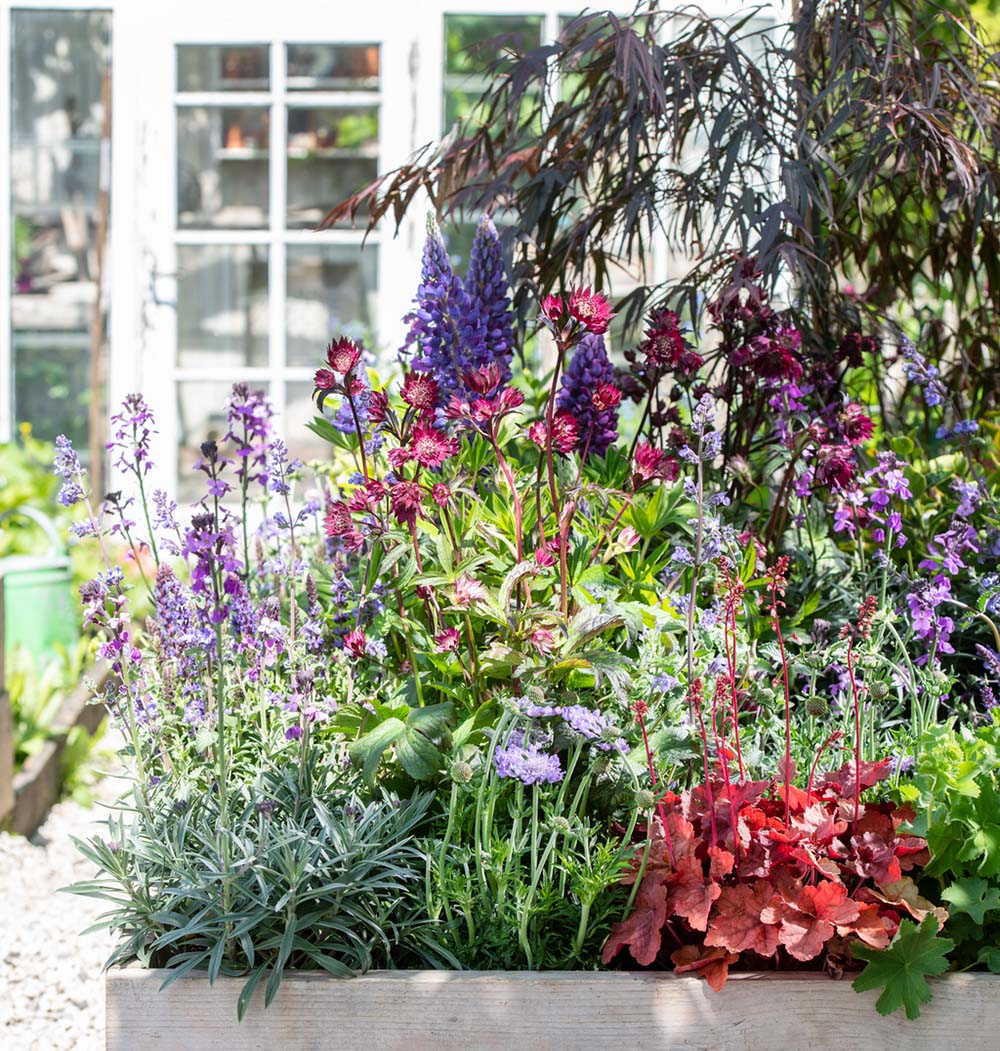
<point>51,986</point>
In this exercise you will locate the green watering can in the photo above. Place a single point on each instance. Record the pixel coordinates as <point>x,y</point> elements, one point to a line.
<point>36,595</point>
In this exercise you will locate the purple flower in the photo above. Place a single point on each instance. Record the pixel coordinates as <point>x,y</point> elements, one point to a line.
<point>486,284</point>
<point>448,325</point>
<point>665,683</point>
<point>132,434</point>
<point>67,466</point>
<point>588,369</point>
<point>919,371</point>
<point>526,762</point>
<point>249,415</point>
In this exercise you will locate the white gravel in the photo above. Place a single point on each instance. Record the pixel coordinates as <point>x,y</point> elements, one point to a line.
<point>51,985</point>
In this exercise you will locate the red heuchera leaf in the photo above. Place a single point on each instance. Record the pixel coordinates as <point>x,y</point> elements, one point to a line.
<point>736,924</point>
<point>710,964</point>
<point>842,783</point>
<point>690,894</point>
<point>641,930</point>
<point>872,927</point>
<point>721,862</point>
<point>818,824</point>
<point>875,859</point>
<point>904,893</point>
<point>811,918</point>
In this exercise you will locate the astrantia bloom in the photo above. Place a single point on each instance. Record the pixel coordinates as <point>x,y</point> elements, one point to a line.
<point>834,467</point>
<point>338,519</point>
<point>565,432</point>
<point>666,348</point>
<point>553,309</point>
<point>468,590</point>
<point>342,355</point>
<point>591,310</point>
<point>447,640</point>
<point>650,463</point>
<point>440,494</point>
<point>430,447</point>
<point>590,372</point>
<point>405,499</point>
<point>775,355</point>
<point>356,644</point>
<point>855,425</point>
<point>420,391</point>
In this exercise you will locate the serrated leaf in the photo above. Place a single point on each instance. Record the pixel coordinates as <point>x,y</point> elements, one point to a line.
<point>973,896</point>
<point>901,971</point>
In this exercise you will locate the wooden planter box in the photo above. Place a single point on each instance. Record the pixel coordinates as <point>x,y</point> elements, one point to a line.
<point>552,1011</point>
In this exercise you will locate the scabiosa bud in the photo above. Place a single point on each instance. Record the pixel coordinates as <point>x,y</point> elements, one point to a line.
<point>591,310</point>
<point>590,371</point>
<point>644,799</point>
<point>460,772</point>
<point>878,691</point>
<point>816,706</point>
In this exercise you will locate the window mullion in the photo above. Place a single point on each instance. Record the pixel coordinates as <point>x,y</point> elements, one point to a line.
<point>6,227</point>
<point>278,211</point>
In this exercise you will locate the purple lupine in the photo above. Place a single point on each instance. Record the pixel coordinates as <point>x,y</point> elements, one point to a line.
<point>67,466</point>
<point>589,368</point>
<point>486,284</point>
<point>526,762</point>
<point>447,325</point>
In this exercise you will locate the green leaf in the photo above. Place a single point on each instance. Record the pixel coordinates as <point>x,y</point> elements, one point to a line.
<point>367,750</point>
<point>990,956</point>
<point>973,896</point>
<point>901,970</point>
<point>418,755</point>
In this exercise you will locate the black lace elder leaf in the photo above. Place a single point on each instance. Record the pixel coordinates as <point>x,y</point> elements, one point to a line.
<point>859,144</point>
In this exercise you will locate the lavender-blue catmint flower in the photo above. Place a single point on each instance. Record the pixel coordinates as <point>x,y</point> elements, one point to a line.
<point>919,371</point>
<point>67,467</point>
<point>589,367</point>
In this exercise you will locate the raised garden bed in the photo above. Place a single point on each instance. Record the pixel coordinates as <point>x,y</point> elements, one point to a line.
<point>559,1010</point>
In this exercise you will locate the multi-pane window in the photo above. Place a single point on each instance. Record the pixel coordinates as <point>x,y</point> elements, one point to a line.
<point>57,167</point>
<point>269,137</point>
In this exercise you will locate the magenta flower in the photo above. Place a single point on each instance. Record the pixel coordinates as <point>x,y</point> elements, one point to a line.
<point>447,640</point>
<point>342,355</point>
<point>430,447</point>
<point>468,590</point>
<point>591,310</point>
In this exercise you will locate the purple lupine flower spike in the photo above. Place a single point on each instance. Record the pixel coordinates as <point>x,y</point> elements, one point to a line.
<point>486,284</point>
<point>588,369</point>
<point>448,325</point>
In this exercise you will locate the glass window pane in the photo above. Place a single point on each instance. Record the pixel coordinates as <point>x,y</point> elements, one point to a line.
<point>52,384</point>
<point>332,152</point>
<point>222,167</point>
<point>58,65</point>
<point>201,415</point>
<point>222,308</point>
<point>333,67</point>
<point>471,44</point>
<point>300,409</point>
<point>212,67</point>
<point>467,38</point>
<point>331,292</point>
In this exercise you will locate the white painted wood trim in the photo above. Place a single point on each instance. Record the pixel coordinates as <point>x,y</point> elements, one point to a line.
<point>553,1011</point>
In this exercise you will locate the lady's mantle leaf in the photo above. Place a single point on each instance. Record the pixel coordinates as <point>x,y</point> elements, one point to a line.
<point>901,970</point>
<point>973,896</point>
